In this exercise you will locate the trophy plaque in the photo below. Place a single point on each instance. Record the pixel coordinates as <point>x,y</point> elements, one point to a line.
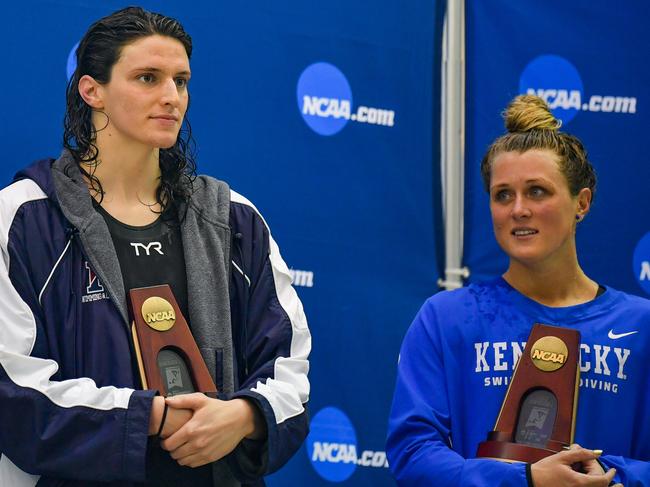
<point>168,357</point>
<point>537,417</point>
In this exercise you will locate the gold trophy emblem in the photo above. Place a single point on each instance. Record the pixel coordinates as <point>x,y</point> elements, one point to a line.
<point>549,353</point>
<point>158,313</point>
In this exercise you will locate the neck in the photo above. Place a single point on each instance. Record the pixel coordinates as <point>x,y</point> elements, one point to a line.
<point>128,172</point>
<point>556,285</point>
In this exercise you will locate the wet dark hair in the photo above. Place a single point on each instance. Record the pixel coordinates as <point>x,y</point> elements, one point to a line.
<point>531,125</point>
<point>98,51</point>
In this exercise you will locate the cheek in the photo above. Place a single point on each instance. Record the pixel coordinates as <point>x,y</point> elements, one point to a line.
<point>123,110</point>
<point>559,223</point>
<point>556,215</point>
<point>126,109</point>
<point>499,216</point>
<point>185,100</point>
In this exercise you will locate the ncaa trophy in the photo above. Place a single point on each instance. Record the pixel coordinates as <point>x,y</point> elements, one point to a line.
<point>168,357</point>
<point>537,417</point>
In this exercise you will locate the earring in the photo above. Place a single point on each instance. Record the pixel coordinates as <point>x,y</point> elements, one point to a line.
<point>578,218</point>
<point>108,120</point>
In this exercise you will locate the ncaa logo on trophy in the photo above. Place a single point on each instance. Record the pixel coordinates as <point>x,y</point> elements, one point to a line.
<point>158,313</point>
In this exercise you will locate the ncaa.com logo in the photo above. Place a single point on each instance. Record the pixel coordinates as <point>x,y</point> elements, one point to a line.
<point>71,63</point>
<point>325,101</point>
<point>558,82</point>
<point>641,262</point>
<point>332,447</point>
<point>300,278</point>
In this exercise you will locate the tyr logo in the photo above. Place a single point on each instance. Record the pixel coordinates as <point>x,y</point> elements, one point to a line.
<point>157,246</point>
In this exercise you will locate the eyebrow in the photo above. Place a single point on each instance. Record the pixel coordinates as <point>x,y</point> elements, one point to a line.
<point>158,70</point>
<point>528,181</point>
<point>537,180</point>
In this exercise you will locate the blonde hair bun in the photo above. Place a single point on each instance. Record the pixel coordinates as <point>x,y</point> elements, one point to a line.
<point>529,112</point>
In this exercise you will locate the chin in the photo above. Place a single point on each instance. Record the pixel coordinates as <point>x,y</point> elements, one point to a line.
<point>525,258</point>
<point>164,142</point>
<point>529,260</point>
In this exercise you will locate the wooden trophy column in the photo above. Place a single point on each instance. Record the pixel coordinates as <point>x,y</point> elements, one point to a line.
<point>537,418</point>
<point>168,357</point>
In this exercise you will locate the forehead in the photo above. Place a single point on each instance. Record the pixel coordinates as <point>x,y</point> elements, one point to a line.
<point>154,51</point>
<point>516,167</point>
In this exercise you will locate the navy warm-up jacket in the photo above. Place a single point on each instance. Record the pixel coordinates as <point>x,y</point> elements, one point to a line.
<point>71,408</point>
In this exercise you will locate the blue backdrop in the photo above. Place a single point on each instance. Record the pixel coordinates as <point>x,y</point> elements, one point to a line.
<point>325,115</point>
<point>589,60</point>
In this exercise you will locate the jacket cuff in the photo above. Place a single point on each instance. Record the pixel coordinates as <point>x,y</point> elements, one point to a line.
<point>136,435</point>
<point>250,460</point>
<point>529,475</point>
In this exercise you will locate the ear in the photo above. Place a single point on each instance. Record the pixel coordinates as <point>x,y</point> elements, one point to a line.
<point>584,201</point>
<point>91,92</point>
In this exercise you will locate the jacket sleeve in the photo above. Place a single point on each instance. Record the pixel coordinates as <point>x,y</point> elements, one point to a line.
<point>629,472</point>
<point>57,428</point>
<point>419,430</point>
<point>272,339</point>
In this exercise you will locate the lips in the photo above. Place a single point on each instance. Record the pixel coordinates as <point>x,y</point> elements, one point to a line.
<point>171,118</point>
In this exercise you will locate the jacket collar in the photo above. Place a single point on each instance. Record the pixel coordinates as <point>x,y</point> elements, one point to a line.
<point>77,206</point>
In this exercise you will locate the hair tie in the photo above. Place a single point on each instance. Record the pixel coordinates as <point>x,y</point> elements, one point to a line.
<point>162,421</point>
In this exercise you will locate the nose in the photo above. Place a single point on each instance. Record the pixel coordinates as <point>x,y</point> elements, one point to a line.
<point>170,94</point>
<point>520,208</point>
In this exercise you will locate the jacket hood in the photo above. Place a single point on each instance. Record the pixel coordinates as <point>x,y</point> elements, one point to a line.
<point>62,182</point>
<point>41,173</point>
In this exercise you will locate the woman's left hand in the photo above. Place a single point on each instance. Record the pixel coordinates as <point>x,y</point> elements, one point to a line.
<point>215,429</point>
<point>593,467</point>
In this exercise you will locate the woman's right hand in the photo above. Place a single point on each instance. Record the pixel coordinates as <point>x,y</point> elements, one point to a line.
<point>556,470</point>
<point>173,421</point>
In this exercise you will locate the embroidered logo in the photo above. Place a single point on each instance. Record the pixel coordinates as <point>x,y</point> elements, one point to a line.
<point>616,336</point>
<point>94,288</point>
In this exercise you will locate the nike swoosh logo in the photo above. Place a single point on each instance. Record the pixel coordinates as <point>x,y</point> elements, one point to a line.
<point>616,336</point>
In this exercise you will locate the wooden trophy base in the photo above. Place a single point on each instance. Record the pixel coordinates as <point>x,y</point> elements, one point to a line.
<point>506,451</point>
<point>498,447</point>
